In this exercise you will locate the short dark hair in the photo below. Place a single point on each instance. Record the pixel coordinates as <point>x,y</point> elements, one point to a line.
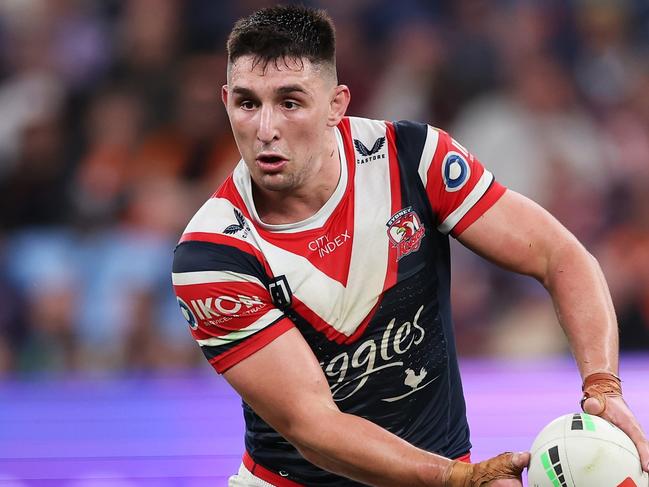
<point>283,32</point>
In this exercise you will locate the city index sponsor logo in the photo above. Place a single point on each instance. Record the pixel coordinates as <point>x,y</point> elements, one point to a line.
<point>324,245</point>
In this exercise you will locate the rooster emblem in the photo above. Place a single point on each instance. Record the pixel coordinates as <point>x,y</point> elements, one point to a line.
<point>405,231</point>
<point>413,379</point>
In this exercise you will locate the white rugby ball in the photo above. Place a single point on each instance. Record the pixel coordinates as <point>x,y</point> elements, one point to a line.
<point>581,450</point>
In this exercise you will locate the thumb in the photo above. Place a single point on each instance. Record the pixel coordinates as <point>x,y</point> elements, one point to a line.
<point>593,406</point>
<point>521,460</point>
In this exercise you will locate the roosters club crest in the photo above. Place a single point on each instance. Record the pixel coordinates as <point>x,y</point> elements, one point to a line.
<point>405,231</point>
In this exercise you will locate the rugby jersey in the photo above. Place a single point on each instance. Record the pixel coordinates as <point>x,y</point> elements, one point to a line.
<point>366,280</point>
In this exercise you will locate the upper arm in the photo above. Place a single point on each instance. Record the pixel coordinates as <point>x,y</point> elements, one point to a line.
<point>284,384</point>
<point>222,292</point>
<point>518,235</point>
<point>501,225</point>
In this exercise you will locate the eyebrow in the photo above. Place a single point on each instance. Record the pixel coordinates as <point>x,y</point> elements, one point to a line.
<point>285,90</point>
<point>282,90</point>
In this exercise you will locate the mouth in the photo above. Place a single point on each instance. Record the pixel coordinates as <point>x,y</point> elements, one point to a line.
<point>268,162</point>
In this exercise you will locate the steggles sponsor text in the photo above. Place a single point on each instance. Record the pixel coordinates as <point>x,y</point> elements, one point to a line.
<point>373,356</point>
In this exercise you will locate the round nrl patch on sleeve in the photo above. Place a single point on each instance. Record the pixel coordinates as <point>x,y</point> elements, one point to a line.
<point>455,171</point>
<point>188,314</point>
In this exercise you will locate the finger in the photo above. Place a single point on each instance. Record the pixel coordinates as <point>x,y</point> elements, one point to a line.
<point>634,431</point>
<point>644,457</point>
<point>621,416</point>
<point>505,483</point>
<point>637,436</point>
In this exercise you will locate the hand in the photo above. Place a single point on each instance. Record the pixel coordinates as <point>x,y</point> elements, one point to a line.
<point>603,397</point>
<point>616,411</point>
<point>501,471</point>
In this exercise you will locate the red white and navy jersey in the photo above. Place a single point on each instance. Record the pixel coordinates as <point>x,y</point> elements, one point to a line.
<point>366,280</point>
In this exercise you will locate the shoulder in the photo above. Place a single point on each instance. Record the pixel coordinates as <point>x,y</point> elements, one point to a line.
<point>223,214</point>
<point>411,139</point>
<point>220,236</point>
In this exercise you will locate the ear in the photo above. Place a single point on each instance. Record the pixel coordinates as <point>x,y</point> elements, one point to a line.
<point>224,95</point>
<point>338,105</point>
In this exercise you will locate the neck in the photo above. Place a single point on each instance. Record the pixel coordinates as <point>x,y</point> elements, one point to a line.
<point>298,204</point>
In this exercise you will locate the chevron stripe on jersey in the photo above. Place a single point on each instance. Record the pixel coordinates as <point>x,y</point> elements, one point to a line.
<point>336,307</point>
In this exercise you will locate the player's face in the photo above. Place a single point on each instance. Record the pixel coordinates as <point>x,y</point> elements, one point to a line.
<point>281,117</point>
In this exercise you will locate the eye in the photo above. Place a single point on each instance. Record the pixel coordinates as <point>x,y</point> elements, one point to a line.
<point>290,104</point>
<point>247,104</point>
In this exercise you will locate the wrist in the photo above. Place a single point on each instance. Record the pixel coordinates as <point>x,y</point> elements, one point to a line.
<point>458,474</point>
<point>603,370</point>
<point>600,385</point>
<point>504,466</point>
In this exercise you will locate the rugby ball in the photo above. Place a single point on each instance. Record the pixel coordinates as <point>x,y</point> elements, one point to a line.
<point>581,450</point>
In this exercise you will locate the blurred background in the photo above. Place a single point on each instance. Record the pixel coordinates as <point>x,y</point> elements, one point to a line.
<point>112,134</point>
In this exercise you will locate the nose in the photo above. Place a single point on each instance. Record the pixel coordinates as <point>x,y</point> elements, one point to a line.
<point>267,130</point>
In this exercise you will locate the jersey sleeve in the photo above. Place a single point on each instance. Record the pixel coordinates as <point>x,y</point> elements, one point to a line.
<point>458,186</point>
<point>222,293</point>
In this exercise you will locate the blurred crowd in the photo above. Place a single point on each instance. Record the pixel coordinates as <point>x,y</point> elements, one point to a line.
<point>112,134</point>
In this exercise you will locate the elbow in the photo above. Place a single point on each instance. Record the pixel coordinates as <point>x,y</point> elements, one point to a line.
<point>309,455</point>
<point>297,434</point>
<point>569,258</point>
<point>307,429</point>
<point>593,260</point>
<point>318,444</point>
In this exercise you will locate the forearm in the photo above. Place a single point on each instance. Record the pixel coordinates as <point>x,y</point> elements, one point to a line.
<point>369,454</point>
<point>583,303</point>
<point>519,235</point>
<point>353,447</point>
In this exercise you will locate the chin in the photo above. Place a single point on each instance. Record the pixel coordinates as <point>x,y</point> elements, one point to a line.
<point>275,182</point>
